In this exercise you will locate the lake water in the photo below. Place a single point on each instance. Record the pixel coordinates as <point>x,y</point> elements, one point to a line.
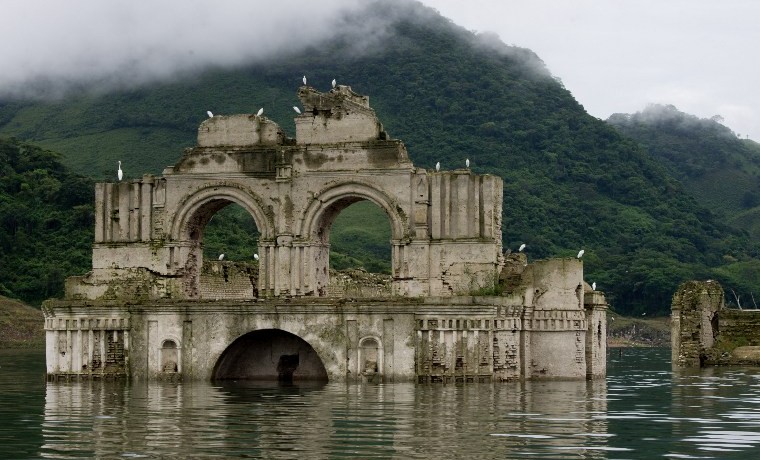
<point>642,410</point>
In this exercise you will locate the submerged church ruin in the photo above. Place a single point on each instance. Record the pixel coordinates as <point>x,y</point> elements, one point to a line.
<point>153,308</point>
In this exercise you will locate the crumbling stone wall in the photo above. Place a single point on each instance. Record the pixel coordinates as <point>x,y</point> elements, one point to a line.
<point>358,282</point>
<point>228,280</point>
<point>445,225</point>
<point>92,346</point>
<point>705,332</point>
<point>738,338</point>
<point>694,309</point>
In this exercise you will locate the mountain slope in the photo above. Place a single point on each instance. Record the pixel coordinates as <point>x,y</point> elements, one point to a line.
<point>719,169</point>
<point>21,326</point>
<point>571,180</point>
<point>46,222</point>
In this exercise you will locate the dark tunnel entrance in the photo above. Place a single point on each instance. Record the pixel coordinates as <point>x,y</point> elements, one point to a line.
<point>270,355</point>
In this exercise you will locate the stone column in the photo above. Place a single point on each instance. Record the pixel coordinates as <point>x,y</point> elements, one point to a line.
<point>694,308</point>
<point>596,334</point>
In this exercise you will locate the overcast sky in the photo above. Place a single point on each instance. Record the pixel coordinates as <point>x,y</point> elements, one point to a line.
<point>618,56</point>
<point>613,55</point>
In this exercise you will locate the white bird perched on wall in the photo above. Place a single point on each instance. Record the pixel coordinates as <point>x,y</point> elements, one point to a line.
<point>580,253</point>
<point>334,83</point>
<point>261,110</point>
<point>119,173</point>
<point>210,115</point>
<point>221,256</point>
<point>467,163</point>
<point>304,80</point>
<point>438,166</point>
<point>298,111</point>
<point>522,246</point>
<point>593,286</point>
<point>256,256</point>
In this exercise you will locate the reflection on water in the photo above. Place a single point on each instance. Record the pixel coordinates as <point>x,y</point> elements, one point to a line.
<point>642,410</point>
<point>109,419</point>
<point>694,413</point>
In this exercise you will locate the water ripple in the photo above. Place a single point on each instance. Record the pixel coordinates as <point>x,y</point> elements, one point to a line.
<point>642,410</point>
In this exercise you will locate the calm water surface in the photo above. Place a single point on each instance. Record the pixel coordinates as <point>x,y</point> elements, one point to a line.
<point>642,410</point>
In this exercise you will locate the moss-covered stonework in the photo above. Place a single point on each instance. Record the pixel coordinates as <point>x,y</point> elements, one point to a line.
<point>705,332</point>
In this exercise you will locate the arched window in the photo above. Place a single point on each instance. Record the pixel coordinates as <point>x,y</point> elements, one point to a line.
<point>370,356</point>
<point>169,356</point>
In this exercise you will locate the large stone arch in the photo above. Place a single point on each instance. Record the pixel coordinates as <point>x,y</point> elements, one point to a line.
<point>194,212</point>
<point>211,198</point>
<point>320,214</point>
<point>328,203</point>
<point>270,354</point>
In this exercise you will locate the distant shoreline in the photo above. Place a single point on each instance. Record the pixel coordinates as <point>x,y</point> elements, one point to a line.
<point>21,325</point>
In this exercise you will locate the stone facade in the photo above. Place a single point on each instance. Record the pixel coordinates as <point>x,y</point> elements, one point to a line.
<point>157,309</point>
<point>705,332</point>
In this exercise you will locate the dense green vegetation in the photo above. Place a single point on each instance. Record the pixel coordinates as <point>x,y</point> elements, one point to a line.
<point>46,222</point>
<point>571,181</point>
<point>721,170</point>
<point>360,237</point>
<point>232,232</point>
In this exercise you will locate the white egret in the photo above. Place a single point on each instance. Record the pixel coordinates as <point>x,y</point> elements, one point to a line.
<point>438,166</point>
<point>580,253</point>
<point>304,80</point>
<point>593,286</point>
<point>522,246</point>
<point>221,256</point>
<point>210,115</point>
<point>119,173</point>
<point>467,163</point>
<point>334,83</point>
<point>298,111</point>
<point>261,110</point>
<point>256,256</point>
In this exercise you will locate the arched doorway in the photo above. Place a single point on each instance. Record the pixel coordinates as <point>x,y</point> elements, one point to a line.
<point>220,221</point>
<point>169,356</point>
<point>272,355</point>
<point>231,232</point>
<point>360,237</point>
<point>229,268</point>
<point>323,212</point>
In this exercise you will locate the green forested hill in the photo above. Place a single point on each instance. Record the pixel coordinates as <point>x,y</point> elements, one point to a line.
<point>571,181</point>
<point>46,222</point>
<point>721,170</point>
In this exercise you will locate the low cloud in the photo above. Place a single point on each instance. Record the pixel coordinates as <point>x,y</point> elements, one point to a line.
<point>47,48</point>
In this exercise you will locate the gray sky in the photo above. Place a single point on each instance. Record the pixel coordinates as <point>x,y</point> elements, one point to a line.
<point>613,55</point>
<point>620,55</point>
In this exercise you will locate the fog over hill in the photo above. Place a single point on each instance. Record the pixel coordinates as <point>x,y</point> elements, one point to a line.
<point>90,44</point>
